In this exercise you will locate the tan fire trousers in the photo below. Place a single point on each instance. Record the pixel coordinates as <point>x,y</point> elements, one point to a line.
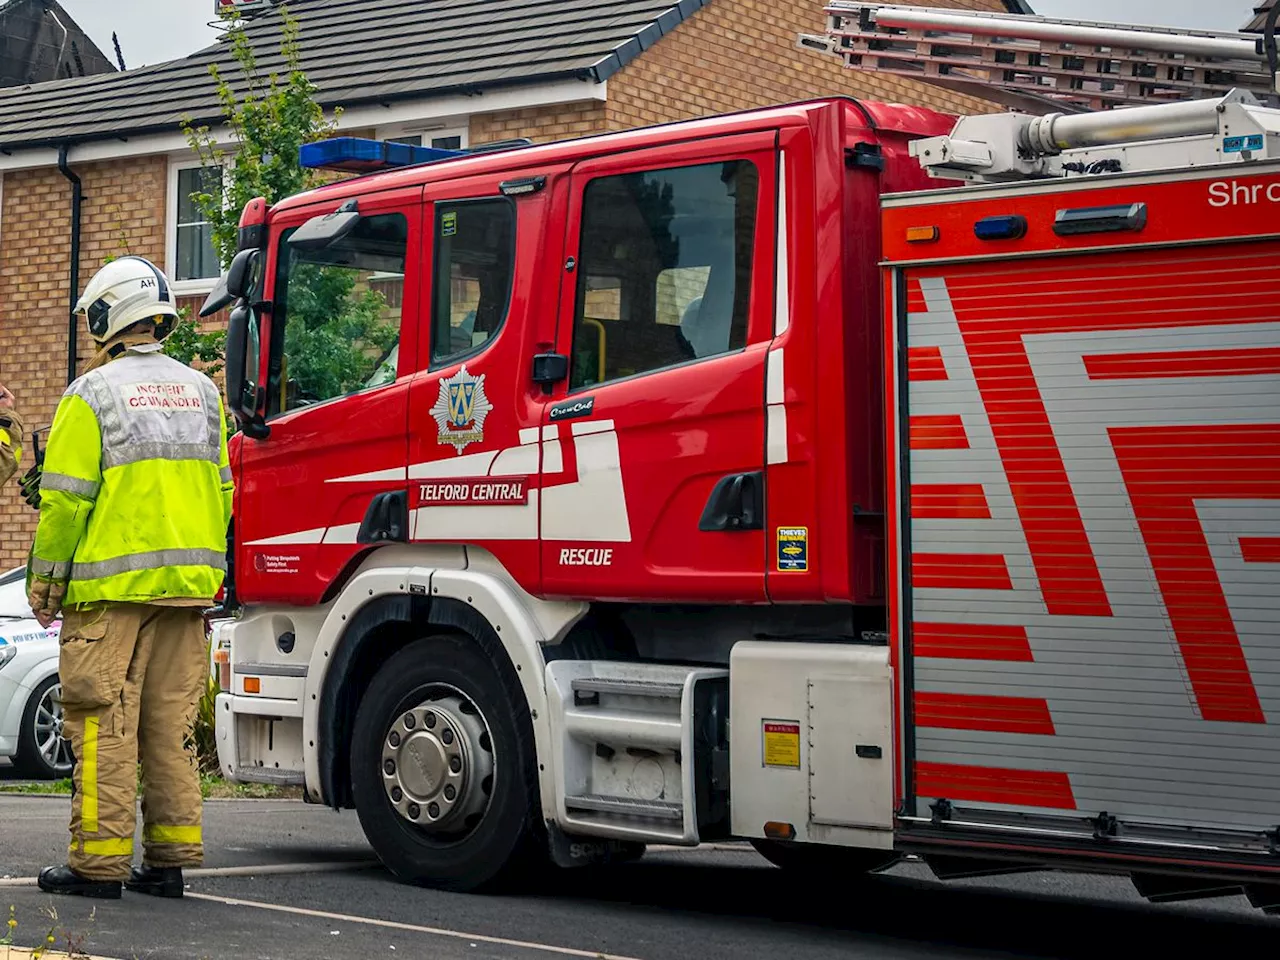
<point>131,677</point>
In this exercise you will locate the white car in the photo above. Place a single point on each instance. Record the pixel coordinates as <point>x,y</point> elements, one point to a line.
<point>30,696</point>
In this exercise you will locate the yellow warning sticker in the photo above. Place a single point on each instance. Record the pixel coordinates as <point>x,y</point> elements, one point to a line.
<point>781,744</point>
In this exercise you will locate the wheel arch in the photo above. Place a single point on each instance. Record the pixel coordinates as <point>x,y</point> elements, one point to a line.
<point>395,607</point>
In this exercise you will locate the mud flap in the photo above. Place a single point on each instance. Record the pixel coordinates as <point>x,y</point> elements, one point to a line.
<point>569,851</point>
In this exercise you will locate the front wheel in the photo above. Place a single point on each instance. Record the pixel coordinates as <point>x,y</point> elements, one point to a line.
<point>443,765</point>
<point>43,752</point>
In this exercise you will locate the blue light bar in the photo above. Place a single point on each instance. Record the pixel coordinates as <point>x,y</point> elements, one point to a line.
<point>357,155</point>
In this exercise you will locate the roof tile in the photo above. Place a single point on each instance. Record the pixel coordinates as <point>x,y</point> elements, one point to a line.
<point>355,51</point>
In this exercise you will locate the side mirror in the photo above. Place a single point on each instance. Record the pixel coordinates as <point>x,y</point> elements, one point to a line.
<point>218,299</point>
<point>321,232</point>
<point>244,358</point>
<point>242,277</point>
<point>240,280</point>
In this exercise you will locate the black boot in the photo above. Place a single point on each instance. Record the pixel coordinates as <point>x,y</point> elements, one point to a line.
<point>66,881</point>
<point>155,881</point>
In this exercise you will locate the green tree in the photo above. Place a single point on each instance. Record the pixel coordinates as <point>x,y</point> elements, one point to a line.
<point>270,121</point>
<point>334,327</point>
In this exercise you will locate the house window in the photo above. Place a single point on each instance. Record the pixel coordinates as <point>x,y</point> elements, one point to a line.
<point>192,256</point>
<point>440,143</point>
<point>441,137</point>
<point>665,277</point>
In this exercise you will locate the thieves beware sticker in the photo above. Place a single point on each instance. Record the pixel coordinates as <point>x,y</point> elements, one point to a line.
<point>781,743</point>
<point>793,549</point>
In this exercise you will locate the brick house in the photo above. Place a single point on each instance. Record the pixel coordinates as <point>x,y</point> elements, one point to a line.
<point>445,74</point>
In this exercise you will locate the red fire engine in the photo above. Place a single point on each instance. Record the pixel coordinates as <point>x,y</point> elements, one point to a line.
<point>757,477</point>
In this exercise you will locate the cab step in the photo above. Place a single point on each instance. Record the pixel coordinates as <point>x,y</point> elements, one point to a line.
<point>586,687</point>
<point>628,807</point>
<point>625,749</point>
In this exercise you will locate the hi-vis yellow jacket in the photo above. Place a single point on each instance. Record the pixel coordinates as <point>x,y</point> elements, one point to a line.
<point>136,489</point>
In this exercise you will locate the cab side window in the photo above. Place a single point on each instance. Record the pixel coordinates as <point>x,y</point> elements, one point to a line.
<point>474,256</point>
<point>665,275</point>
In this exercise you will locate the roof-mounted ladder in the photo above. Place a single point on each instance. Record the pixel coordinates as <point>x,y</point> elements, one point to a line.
<point>996,147</point>
<point>1030,62</point>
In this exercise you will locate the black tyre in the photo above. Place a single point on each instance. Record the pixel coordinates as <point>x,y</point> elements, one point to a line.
<point>443,766</point>
<point>816,859</point>
<point>43,753</point>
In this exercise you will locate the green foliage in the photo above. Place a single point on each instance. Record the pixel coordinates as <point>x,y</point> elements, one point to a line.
<point>203,735</point>
<point>190,344</point>
<point>334,334</point>
<point>334,331</point>
<point>271,120</point>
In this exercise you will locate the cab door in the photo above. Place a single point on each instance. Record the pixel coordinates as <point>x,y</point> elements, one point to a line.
<point>342,336</point>
<point>474,410</point>
<point>654,446</point>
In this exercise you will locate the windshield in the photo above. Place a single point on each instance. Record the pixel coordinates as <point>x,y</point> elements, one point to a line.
<point>13,595</point>
<point>341,308</point>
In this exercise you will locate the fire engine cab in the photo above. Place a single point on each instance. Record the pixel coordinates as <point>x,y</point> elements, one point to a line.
<point>838,476</point>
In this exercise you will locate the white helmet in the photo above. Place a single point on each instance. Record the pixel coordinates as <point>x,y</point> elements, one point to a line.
<point>125,292</point>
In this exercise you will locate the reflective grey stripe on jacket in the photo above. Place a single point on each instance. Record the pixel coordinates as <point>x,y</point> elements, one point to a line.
<point>54,571</point>
<point>60,481</point>
<point>151,407</point>
<point>154,560</point>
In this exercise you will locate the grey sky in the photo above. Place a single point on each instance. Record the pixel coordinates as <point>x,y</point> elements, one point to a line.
<point>155,30</point>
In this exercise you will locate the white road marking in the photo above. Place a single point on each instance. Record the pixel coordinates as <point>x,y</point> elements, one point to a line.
<point>410,928</point>
<point>250,870</point>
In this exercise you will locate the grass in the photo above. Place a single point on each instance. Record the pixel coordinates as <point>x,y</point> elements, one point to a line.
<point>215,788</point>
<point>43,787</point>
<point>211,788</point>
<point>74,943</point>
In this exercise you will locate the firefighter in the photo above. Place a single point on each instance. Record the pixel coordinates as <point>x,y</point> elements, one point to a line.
<point>10,436</point>
<point>131,548</point>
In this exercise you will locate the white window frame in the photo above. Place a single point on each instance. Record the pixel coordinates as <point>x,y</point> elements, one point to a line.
<point>184,288</point>
<point>429,130</point>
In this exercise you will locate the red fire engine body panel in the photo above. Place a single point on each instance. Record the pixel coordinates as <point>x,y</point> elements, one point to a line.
<point>599,491</point>
<point>1085,447</point>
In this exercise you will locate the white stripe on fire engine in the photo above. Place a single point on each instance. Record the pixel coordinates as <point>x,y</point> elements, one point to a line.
<point>592,509</point>
<point>776,415</point>
<point>782,305</point>
<point>395,473</point>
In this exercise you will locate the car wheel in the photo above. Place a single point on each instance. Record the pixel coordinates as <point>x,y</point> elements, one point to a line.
<point>444,772</point>
<point>43,752</point>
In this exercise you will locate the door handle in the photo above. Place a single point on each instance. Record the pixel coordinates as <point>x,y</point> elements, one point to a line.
<point>736,503</point>
<point>386,520</point>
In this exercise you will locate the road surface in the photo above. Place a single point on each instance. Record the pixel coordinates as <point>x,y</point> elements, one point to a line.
<point>289,880</point>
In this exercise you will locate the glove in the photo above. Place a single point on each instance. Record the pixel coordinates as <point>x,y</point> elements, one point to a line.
<point>46,598</point>
<point>30,486</point>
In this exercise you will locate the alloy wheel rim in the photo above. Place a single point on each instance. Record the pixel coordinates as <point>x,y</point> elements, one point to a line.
<point>53,745</point>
